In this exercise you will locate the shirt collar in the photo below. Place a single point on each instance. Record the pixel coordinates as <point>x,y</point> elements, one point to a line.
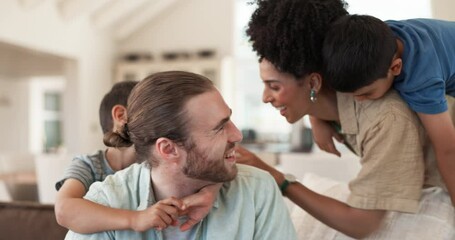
<point>147,196</point>
<point>347,113</point>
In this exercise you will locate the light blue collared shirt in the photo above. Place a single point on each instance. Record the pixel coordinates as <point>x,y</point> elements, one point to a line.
<point>249,207</point>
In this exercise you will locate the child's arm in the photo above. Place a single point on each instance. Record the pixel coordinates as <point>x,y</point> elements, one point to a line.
<point>84,216</point>
<point>323,134</point>
<point>441,132</point>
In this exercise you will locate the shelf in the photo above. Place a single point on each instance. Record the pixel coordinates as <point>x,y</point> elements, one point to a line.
<point>136,71</point>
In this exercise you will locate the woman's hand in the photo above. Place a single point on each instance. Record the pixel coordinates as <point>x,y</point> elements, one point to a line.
<point>323,135</point>
<point>246,157</point>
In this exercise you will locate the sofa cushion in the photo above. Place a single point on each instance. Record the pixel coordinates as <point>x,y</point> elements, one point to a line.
<point>29,220</point>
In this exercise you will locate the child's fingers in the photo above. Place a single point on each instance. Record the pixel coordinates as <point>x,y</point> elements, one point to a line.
<point>168,210</point>
<point>174,202</point>
<point>164,217</point>
<point>160,221</point>
<point>188,224</point>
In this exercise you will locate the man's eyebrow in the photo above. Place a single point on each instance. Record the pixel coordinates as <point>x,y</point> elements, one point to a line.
<point>223,121</point>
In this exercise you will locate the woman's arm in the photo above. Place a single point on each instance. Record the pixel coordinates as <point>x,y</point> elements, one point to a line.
<point>441,132</point>
<point>354,222</point>
<point>323,134</point>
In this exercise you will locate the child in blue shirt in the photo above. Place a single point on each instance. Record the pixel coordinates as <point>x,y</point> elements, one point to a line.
<point>365,56</point>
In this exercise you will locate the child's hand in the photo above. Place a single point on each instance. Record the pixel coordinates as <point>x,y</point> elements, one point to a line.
<point>159,216</point>
<point>323,135</point>
<point>198,205</point>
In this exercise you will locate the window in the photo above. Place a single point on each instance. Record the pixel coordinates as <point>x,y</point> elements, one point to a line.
<point>52,122</point>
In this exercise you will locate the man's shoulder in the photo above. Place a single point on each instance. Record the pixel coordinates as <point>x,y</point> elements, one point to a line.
<point>248,175</point>
<point>123,189</point>
<point>249,171</point>
<point>135,170</point>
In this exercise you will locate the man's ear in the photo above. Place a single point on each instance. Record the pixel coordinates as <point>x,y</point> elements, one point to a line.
<point>396,66</point>
<point>167,149</point>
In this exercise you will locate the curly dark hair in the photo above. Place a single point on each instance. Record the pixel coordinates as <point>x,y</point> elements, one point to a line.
<point>290,33</point>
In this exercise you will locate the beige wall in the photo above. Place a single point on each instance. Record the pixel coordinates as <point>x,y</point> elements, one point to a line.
<point>88,70</point>
<point>443,9</point>
<point>189,25</point>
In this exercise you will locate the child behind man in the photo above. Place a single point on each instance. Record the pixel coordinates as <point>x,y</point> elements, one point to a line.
<point>84,216</point>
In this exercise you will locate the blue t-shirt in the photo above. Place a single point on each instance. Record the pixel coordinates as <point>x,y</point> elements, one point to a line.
<point>428,72</point>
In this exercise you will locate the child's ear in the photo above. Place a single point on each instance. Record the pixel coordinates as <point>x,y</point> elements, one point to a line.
<point>396,66</point>
<point>118,114</point>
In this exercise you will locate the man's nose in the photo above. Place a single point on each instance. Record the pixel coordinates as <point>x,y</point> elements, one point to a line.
<point>235,135</point>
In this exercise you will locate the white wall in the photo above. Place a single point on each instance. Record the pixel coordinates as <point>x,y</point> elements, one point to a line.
<point>89,52</point>
<point>391,9</point>
<point>404,9</point>
<point>189,25</point>
<point>14,116</point>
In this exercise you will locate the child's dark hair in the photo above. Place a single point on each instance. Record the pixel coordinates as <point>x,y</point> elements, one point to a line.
<point>289,33</point>
<point>118,95</point>
<point>358,50</point>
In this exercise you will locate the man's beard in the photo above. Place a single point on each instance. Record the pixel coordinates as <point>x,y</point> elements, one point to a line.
<point>198,166</point>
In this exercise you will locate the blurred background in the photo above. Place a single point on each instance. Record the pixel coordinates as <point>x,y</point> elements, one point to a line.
<point>59,57</point>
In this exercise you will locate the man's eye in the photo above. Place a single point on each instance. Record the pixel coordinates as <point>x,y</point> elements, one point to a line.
<point>221,128</point>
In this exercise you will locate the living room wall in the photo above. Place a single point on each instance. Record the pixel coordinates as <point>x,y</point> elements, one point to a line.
<point>88,66</point>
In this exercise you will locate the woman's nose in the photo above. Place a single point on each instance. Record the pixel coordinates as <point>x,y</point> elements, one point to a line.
<point>266,98</point>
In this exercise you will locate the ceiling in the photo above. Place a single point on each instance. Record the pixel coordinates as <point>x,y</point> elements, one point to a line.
<point>123,17</point>
<point>22,62</point>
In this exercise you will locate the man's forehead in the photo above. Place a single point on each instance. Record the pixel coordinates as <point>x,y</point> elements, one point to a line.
<point>207,109</point>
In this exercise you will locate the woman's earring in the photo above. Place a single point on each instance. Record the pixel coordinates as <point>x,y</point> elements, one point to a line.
<point>313,97</point>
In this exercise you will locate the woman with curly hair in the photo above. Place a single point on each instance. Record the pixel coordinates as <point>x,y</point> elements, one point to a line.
<point>399,188</point>
<point>290,34</point>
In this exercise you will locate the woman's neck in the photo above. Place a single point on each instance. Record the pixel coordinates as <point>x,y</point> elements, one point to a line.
<point>326,107</point>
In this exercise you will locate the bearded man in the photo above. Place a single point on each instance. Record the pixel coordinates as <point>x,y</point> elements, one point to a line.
<point>181,130</point>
